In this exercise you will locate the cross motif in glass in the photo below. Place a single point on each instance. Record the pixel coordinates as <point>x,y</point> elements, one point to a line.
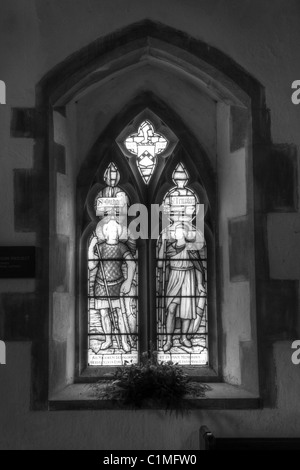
<point>146,144</point>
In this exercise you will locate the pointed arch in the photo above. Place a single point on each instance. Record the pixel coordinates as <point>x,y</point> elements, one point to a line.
<point>144,43</point>
<point>139,40</point>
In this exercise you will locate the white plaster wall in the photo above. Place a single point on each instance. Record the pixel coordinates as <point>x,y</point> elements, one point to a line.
<point>14,153</point>
<point>284,245</point>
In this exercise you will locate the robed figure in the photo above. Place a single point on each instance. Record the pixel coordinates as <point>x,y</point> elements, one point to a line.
<point>182,285</point>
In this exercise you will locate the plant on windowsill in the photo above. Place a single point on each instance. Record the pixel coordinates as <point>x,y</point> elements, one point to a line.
<point>164,385</point>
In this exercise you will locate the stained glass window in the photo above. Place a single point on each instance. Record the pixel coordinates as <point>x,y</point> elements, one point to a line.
<point>181,294</point>
<point>146,144</point>
<point>180,285</point>
<point>112,280</point>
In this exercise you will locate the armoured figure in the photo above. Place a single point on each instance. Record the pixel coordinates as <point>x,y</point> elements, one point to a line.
<point>112,282</point>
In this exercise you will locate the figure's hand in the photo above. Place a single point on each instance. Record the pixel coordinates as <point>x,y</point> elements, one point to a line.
<point>92,246</point>
<point>166,235</point>
<point>125,287</point>
<point>164,239</point>
<point>93,242</point>
<point>201,289</point>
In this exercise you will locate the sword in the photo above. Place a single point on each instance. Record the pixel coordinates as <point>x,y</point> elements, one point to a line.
<point>163,298</point>
<point>110,309</point>
<point>124,315</point>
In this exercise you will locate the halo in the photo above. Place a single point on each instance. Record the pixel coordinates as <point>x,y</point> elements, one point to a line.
<point>101,226</point>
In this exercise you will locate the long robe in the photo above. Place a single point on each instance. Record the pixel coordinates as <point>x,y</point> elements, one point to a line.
<point>182,281</point>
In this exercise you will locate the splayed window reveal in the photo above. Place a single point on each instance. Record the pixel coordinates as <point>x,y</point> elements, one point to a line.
<point>146,144</point>
<point>112,280</point>
<point>181,293</point>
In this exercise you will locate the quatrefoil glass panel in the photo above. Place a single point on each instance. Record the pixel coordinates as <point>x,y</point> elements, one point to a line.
<point>146,144</point>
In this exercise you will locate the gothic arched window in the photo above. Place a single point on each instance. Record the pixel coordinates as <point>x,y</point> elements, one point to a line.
<point>133,107</point>
<point>144,291</point>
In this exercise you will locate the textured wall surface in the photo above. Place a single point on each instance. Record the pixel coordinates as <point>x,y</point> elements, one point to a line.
<point>140,429</point>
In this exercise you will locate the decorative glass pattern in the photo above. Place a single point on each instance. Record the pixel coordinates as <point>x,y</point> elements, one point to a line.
<point>112,200</point>
<point>181,297</point>
<point>146,144</point>
<point>112,280</point>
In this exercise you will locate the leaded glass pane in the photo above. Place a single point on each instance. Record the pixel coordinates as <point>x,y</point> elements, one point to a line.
<point>146,144</point>
<point>181,295</point>
<point>112,280</point>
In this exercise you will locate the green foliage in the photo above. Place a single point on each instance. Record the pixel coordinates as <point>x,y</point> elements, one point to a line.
<point>164,384</point>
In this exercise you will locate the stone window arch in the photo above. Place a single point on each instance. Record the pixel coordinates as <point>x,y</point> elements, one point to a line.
<point>217,111</point>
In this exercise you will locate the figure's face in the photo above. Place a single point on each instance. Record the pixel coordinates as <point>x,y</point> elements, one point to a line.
<point>112,233</point>
<point>179,233</point>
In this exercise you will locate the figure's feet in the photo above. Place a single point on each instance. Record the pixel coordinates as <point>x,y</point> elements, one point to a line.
<point>186,342</point>
<point>95,349</point>
<point>125,346</point>
<point>107,344</point>
<point>167,346</point>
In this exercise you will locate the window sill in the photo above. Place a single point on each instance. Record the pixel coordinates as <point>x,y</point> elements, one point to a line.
<point>94,374</point>
<point>221,396</point>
